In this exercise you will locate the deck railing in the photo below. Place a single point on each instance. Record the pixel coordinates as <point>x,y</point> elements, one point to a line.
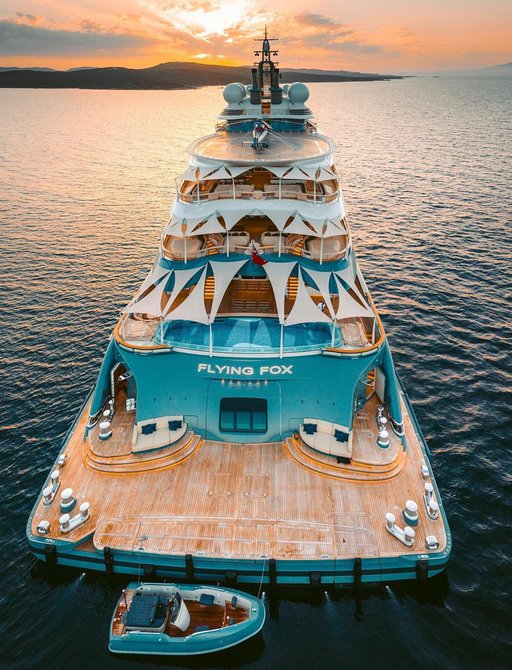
<point>263,250</point>
<point>257,195</point>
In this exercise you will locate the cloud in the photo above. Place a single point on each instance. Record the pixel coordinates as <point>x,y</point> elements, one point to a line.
<point>311,19</point>
<point>318,33</point>
<point>30,18</point>
<point>21,40</point>
<point>89,26</point>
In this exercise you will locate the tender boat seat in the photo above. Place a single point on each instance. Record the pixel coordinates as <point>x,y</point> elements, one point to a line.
<point>156,433</point>
<point>326,437</point>
<point>146,613</point>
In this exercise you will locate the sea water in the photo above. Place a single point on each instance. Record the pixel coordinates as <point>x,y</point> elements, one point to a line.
<point>86,183</point>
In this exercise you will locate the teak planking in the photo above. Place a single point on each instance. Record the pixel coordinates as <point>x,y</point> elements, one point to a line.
<point>248,500</point>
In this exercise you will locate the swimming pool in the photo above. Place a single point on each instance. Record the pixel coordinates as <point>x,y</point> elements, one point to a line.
<point>249,334</point>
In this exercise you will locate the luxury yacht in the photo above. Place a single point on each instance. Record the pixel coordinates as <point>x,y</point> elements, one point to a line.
<point>247,424</point>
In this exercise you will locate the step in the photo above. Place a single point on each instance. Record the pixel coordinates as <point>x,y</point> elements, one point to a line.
<point>137,466</point>
<point>350,471</point>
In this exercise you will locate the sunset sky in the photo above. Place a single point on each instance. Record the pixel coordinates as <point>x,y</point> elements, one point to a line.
<point>367,35</point>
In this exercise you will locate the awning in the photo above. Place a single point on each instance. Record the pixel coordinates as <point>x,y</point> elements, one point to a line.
<point>278,274</point>
<point>211,225</point>
<point>279,217</point>
<point>193,307</point>
<point>347,275</point>
<point>181,279</point>
<point>278,171</point>
<point>298,226</point>
<point>304,308</point>
<point>223,273</point>
<point>196,173</point>
<point>322,280</point>
<point>296,173</point>
<point>151,303</point>
<point>348,307</point>
<point>153,276</point>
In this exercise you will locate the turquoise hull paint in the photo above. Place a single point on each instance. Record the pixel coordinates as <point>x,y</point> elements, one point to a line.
<point>317,386</point>
<point>295,387</point>
<point>334,573</point>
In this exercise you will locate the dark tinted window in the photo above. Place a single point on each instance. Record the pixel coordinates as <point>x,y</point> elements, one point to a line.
<point>243,415</point>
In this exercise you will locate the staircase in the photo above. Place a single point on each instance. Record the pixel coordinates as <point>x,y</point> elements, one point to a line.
<point>293,285</point>
<point>209,288</point>
<point>158,459</point>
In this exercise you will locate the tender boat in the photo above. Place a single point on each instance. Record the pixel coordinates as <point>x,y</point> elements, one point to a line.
<point>247,416</point>
<point>183,619</point>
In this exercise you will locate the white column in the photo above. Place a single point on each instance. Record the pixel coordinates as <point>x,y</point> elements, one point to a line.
<point>281,341</point>
<point>280,181</point>
<point>211,339</point>
<point>234,194</point>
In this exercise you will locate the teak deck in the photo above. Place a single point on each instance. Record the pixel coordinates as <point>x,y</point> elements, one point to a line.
<point>247,500</point>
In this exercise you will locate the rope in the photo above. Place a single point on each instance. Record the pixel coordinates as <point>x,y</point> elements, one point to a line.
<point>261,579</point>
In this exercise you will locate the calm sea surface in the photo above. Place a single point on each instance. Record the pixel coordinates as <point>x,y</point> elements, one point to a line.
<point>86,182</point>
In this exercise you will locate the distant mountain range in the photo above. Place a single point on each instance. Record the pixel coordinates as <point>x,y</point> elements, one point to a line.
<point>163,76</point>
<point>501,70</point>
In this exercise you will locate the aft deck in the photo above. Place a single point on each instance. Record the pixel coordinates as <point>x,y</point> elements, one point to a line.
<point>244,501</point>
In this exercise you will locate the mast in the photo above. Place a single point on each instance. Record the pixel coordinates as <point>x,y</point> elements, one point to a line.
<point>265,74</point>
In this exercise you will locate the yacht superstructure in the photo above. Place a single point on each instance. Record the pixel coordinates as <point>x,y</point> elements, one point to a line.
<point>247,421</point>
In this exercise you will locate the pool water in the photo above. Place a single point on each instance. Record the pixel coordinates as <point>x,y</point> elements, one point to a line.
<point>249,334</point>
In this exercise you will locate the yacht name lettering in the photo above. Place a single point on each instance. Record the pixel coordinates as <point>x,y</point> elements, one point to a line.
<point>244,370</point>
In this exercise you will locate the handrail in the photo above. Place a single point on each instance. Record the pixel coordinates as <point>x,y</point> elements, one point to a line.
<point>293,250</point>
<point>119,338</point>
<point>261,195</point>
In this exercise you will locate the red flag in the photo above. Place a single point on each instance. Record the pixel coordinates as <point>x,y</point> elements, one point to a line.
<point>256,258</point>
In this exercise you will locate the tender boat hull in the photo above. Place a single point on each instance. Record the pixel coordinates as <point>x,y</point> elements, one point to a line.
<point>197,642</point>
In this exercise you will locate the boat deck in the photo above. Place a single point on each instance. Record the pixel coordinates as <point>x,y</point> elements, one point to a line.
<point>212,616</point>
<point>280,500</point>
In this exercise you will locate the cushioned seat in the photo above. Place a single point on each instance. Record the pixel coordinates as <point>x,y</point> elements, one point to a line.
<point>328,438</point>
<point>167,430</point>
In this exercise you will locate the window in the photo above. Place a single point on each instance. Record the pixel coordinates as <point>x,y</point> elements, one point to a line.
<point>243,415</point>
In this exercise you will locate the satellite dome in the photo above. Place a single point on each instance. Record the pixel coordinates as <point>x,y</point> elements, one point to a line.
<point>298,92</point>
<point>234,93</point>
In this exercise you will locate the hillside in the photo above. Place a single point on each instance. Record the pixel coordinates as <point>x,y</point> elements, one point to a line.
<point>163,76</point>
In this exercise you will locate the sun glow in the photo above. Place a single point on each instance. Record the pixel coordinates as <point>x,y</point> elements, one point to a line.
<point>204,20</point>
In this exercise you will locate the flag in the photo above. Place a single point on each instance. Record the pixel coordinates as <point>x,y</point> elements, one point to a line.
<point>256,258</point>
